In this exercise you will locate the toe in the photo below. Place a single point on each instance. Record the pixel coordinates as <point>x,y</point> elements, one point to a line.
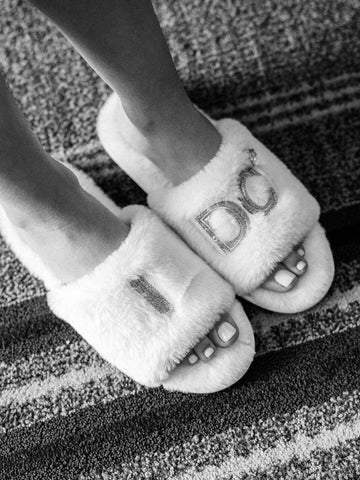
<point>225,331</point>
<point>300,250</point>
<point>192,358</point>
<point>205,349</point>
<point>281,280</point>
<point>296,263</point>
<point>224,334</point>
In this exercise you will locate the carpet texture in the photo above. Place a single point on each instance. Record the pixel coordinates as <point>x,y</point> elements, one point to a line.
<point>290,69</point>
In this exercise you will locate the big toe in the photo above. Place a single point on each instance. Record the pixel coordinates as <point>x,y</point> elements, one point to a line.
<point>285,276</point>
<point>281,280</point>
<point>225,332</point>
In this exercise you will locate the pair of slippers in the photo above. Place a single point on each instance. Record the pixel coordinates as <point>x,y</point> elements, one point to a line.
<point>150,302</point>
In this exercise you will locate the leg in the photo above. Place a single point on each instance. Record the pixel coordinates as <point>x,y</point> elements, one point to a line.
<point>70,230</point>
<point>123,42</point>
<point>43,199</point>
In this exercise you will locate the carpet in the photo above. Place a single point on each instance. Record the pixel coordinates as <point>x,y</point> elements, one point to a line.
<point>290,70</point>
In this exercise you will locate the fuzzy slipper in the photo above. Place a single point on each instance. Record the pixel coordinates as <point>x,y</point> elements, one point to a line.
<point>148,304</point>
<point>243,213</point>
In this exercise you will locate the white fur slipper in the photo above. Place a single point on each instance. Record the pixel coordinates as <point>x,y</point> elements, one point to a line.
<point>148,304</point>
<point>243,213</point>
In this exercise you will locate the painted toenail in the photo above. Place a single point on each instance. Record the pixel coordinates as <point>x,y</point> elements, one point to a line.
<point>301,265</point>
<point>284,277</point>
<point>209,352</point>
<point>226,331</point>
<point>301,252</point>
<point>193,358</point>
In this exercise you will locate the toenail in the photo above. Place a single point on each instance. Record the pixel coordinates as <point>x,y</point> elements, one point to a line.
<point>226,331</point>
<point>284,277</point>
<point>193,358</point>
<point>301,252</point>
<point>301,265</point>
<point>209,352</point>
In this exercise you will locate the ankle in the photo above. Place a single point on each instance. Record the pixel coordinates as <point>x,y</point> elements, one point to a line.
<point>178,138</point>
<point>151,118</point>
<point>195,142</point>
<point>49,204</point>
<point>72,239</point>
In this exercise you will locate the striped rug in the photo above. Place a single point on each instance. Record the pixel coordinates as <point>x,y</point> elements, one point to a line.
<point>290,69</point>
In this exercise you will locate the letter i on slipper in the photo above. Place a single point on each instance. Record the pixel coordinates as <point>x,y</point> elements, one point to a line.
<point>148,304</point>
<point>243,213</point>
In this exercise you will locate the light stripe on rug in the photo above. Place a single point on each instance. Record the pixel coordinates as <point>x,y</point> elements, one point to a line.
<point>261,460</point>
<point>262,99</point>
<point>74,379</point>
<point>61,396</point>
<point>309,101</point>
<point>52,362</point>
<point>330,463</point>
<point>313,115</point>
